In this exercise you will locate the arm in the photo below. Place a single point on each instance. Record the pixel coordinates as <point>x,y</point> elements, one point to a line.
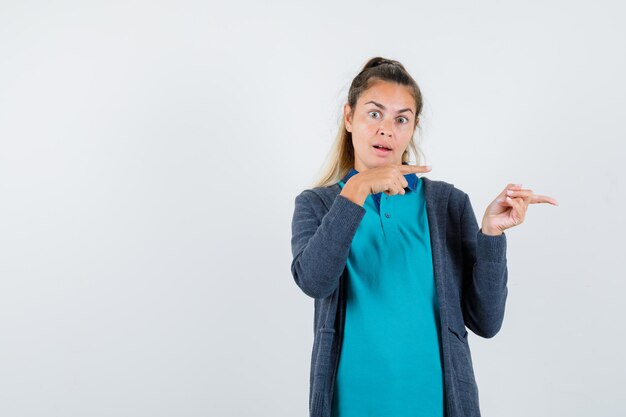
<point>320,249</point>
<point>485,276</point>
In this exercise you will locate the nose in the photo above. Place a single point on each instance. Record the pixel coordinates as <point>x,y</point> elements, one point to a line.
<point>385,130</point>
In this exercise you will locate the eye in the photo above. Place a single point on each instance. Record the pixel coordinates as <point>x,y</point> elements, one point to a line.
<point>374,111</point>
<point>406,120</point>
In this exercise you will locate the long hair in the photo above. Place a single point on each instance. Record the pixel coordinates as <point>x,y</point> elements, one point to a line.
<point>340,158</point>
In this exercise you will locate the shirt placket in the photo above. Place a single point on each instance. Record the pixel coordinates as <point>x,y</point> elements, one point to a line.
<point>387,217</point>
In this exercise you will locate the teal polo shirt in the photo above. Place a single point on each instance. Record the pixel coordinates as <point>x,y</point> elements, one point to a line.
<point>391,358</point>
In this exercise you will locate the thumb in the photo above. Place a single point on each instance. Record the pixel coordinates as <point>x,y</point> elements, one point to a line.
<point>502,196</point>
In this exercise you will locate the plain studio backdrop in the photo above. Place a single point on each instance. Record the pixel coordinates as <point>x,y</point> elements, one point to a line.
<point>151,152</point>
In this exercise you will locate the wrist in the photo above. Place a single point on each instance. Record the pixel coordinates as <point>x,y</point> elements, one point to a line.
<point>490,232</point>
<point>353,191</point>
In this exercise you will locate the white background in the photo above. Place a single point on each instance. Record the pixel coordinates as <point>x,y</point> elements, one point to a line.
<point>150,154</point>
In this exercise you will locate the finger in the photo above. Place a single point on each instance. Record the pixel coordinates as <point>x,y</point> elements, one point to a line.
<point>518,209</point>
<point>525,194</point>
<point>509,186</point>
<point>392,187</point>
<point>398,185</point>
<point>403,182</point>
<point>388,190</point>
<point>531,198</point>
<point>538,198</point>
<point>408,169</point>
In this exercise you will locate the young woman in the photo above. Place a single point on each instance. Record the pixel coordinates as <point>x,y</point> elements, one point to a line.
<point>397,265</point>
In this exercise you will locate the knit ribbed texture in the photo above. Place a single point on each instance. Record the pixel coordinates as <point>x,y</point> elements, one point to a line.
<point>491,248</point>
<point>320,248</point>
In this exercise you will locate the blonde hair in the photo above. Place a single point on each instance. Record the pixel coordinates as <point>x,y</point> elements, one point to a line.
<point>340,158</point>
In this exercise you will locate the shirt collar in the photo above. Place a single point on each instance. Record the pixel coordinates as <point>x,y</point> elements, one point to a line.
<point>410,178</point>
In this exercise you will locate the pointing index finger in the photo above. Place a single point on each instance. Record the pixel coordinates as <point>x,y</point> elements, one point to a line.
<point>408,169</point>
<point>538,198</point>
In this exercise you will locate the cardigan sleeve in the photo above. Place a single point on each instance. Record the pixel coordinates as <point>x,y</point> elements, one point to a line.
<point>320,248</point>
<point>485,276</point>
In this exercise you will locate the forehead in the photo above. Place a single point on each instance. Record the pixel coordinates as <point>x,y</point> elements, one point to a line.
<point>389,94</point>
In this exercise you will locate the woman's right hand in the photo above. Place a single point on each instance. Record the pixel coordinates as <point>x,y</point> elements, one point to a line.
<point>387,178</point>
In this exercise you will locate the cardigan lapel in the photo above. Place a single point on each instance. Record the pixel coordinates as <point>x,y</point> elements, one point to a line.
<point>436,194</point>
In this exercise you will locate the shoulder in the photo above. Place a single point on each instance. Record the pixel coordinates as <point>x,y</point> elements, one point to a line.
<point>319,197</point>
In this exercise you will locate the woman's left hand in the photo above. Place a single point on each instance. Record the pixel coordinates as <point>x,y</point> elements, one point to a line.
<point>509,208</point>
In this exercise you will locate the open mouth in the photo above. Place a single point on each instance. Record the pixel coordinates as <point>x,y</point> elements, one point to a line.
<point>381,150</point>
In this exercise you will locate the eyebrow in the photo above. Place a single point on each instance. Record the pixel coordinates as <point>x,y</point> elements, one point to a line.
<point>384,108</point>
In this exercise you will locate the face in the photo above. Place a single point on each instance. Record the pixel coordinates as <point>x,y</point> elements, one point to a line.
<point>384,115</point>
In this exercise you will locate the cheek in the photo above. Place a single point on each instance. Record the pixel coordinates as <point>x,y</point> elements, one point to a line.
<point>361,132</point>
<point>359,142</point>
<point>365,131</point>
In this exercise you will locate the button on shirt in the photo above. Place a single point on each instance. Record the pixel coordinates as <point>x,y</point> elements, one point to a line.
<point>390,361</point>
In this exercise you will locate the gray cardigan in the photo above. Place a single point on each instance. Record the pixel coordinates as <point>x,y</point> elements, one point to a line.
<point>470,275</point>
